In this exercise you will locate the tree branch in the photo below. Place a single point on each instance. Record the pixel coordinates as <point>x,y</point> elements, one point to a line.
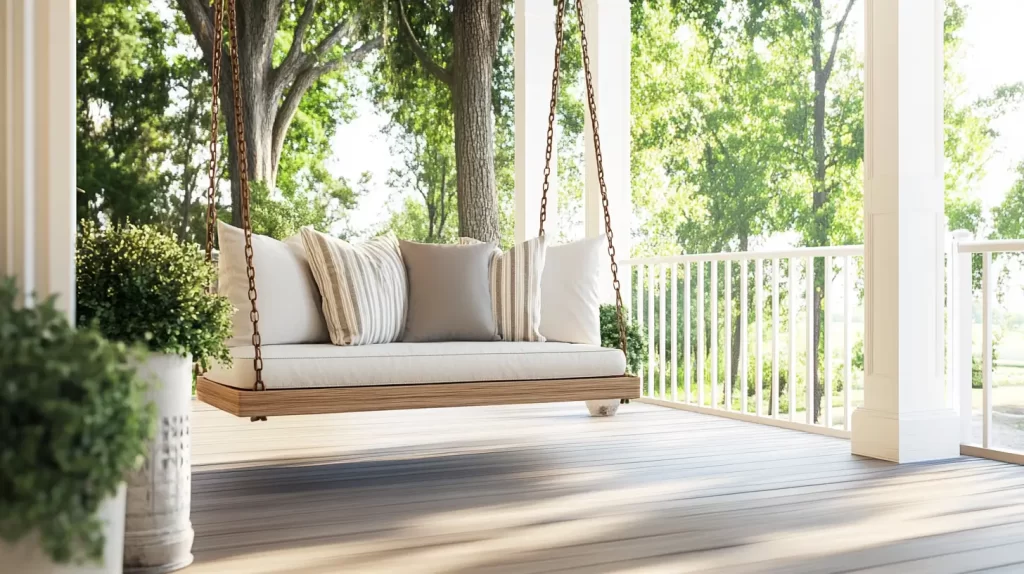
<point>441,73</point>
<point>290,65</point>
<point>200,19</point>
<point>305,80</point>
<point>835,40</point>
<point>495,27</point>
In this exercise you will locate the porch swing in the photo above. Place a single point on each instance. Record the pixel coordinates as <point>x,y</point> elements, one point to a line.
<point>302,397</point>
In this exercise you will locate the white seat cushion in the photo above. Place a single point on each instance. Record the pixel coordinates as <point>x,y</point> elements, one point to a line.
<point>309,366</point>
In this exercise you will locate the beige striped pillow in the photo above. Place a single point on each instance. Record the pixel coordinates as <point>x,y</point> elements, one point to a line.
<point>364,287</point>
<point>515,289</point>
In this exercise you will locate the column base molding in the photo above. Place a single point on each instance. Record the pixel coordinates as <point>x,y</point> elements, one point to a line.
<point>908,437</point>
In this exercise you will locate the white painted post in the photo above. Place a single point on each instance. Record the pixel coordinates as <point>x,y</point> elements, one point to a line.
<point>904,417</point>
<point>534,44</point>
<point>961,299</point>
<point>37,148</point>
<point>610,39</point>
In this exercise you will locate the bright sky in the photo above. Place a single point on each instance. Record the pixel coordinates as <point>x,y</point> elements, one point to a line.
<point>993,49</point>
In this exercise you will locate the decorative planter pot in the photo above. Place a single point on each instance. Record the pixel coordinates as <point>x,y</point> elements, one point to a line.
<point>27,556</point>
<point>158,532</point>
<point>603,408</point>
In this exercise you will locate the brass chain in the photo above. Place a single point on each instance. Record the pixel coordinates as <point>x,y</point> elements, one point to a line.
<point>243,176</point>
<point>211,192</point>
<point>592,104</point>
<point>551,116</point>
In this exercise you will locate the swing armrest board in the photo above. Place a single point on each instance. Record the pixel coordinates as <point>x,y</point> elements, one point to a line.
<point>331,366</point>
<point>271,403</point>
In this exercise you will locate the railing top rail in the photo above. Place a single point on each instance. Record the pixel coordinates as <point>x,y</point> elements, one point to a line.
<point>834,251</point>
<point>990,246</point>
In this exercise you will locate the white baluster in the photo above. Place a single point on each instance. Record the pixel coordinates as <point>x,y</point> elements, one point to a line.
<point>727,325</point>
<point>847,341</point>
<point>759,334</point>
<point>811,358</point>
<point>743,336</point>
<point>687,315</point>
<point>661,333</point>
<point>986,348</point>
<point>792,338</point>
<point>700,333</point>
<point>775,338</point>
<point>713,294</point>
<point>675,331</point>
<point>650,331</point>
<point>827,278</point>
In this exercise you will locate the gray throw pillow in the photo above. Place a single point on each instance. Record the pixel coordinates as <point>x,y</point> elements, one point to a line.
<point>449,292</point>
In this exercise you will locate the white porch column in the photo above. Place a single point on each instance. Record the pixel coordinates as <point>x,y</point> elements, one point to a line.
<point>37,146</point>
<point>534,62</point>
<point>904,418</point>
<point>609,39</point>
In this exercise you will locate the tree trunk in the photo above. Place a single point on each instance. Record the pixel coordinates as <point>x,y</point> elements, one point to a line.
<point>819,225</point>
<point>472,77</point>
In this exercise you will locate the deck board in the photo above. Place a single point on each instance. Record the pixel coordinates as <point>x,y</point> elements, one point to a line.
<point>544,488</point>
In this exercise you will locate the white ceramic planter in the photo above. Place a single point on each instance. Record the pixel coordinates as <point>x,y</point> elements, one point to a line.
<point>158,532</point>
<point>28,557</point>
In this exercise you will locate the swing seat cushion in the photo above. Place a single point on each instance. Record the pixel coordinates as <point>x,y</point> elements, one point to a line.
<point>322,365</point>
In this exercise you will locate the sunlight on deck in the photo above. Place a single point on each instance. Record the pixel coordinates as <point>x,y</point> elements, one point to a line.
<point>544,488</point>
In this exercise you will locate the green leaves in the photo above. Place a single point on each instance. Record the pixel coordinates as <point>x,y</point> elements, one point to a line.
<point>636,339</point>
<point>138,285</point>
<point>74,420</point>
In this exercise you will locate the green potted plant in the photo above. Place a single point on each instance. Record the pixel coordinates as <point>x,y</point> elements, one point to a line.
<point>139,285</point>
<point>74,421</point>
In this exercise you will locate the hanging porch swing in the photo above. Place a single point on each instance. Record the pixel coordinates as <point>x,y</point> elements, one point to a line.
<point>302,397</point>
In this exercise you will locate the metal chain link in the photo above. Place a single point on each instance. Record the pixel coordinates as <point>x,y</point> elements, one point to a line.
<point>551,116</point>
<point>211,192</point>
<point>592,104</point>
<point>243,176</point>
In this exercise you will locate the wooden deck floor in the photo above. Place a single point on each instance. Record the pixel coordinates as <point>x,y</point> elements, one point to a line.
<point>544,488</point>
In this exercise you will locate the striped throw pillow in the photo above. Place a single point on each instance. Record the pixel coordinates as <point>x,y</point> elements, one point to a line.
<point>364,287</point>
<point>515,289</point>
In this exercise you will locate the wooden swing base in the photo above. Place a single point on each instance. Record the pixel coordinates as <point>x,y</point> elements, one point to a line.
<point>325,400</point>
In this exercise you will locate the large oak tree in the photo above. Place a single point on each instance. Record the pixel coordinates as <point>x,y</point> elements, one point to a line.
<point>285,47</point>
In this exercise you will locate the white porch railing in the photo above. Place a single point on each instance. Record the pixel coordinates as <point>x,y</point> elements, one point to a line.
<point>730,334</point>
<point>707,353</point>
<point>960,336</point>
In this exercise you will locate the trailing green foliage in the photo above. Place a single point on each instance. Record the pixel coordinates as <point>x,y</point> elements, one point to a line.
<point>636,340</point>
<point>141,286</point>
<point>73,419</point>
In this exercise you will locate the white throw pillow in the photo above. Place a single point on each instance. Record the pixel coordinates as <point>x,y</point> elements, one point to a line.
<point>287,297</point>
<point>570,291</point>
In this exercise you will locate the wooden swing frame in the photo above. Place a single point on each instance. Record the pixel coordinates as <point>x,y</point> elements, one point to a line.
<point>259,402</point>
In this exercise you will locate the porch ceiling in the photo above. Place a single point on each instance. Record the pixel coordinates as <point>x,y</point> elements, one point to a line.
<point>544,488</point>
